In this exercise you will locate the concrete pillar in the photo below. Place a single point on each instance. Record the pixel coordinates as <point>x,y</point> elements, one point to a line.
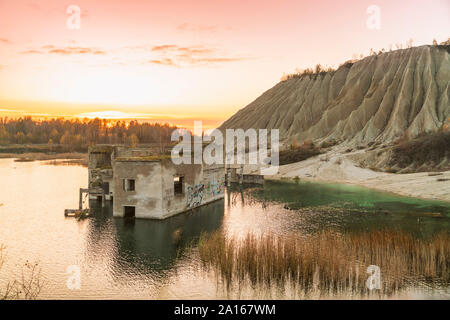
<point>241,175</point>
<point>80,203</point>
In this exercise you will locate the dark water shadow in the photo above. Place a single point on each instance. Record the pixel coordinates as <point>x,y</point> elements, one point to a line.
<point>144,245</point>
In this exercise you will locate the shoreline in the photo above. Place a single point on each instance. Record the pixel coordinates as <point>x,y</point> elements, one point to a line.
<point>362,185</point>
<point>57,158</point>
<point>338,168</point>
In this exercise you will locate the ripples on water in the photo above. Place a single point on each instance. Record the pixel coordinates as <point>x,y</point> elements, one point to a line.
<point>146,259</point>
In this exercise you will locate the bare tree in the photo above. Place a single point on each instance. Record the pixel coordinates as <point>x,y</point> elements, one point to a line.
<point>27,287</point>
<point>410,43</point>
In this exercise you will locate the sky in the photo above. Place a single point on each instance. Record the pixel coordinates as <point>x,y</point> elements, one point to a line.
<point>186,60</point>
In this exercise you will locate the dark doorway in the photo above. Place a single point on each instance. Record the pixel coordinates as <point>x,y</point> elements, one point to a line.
<point>105,187</point>
<point>129,211</point>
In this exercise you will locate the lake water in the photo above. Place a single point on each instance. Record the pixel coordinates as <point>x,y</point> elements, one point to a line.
<point>140,259</point>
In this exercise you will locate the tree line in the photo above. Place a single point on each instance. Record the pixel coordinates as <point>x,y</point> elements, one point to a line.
<point>81,133</point>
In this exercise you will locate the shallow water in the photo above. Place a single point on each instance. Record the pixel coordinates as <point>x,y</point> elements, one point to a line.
<point>141,259</point>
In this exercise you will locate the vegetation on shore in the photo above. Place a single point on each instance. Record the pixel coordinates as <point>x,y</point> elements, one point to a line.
<point>298,152</point>
<point>424,153</point>
<point>44,156</point>
<point>328,261</point>
<point>62,135</point>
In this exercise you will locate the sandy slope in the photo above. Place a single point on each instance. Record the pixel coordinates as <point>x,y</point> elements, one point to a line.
<point>376,99</point>
<point>337,167</point>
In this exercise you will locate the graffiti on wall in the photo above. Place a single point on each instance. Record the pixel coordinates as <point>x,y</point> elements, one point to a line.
<point>195,195</point>
<point>216,186</point>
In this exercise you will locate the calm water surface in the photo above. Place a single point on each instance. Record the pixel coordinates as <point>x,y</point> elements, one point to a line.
<point>140,259</point>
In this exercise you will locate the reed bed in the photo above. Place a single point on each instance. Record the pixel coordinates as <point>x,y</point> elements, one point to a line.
<point>328,261</point>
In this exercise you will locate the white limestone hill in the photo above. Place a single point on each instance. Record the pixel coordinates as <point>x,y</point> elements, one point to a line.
<point>377,99</point>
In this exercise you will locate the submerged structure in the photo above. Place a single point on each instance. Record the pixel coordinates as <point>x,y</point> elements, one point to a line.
<point>143,183</point>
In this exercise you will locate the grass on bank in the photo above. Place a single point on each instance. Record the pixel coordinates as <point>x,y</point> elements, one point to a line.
<point>298,152</point>
<point>328,261</point>
<point>423,153</point>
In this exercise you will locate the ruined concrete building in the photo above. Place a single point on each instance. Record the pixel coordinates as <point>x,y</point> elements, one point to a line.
<point>143,184</point>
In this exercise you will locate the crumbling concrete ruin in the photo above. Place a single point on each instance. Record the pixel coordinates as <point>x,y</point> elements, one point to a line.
<point>144,184</point>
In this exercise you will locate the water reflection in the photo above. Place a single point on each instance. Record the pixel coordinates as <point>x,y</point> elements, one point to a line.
<point>152,245</point>
<point>140,258</point>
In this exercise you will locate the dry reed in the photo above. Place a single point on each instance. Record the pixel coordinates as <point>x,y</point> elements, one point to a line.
<point>329,261</point>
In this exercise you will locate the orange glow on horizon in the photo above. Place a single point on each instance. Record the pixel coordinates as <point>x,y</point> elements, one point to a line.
<point>182,61</point>
<point>180,121</point>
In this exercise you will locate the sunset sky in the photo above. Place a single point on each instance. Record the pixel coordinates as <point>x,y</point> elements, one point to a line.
<point>184,60</point>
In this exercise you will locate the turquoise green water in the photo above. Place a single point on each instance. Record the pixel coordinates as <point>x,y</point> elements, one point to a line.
<point>308,194</point>
<point>348,207</point>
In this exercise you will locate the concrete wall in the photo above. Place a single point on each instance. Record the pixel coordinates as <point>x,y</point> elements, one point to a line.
<point>201,185</point>
<point>214,182</point>
<point>235,177</point>
<point>100,169</point>
<point>141,151</point>
<point>253,179</point>
<point>192,174</point>
<point>147,197</point>
<point>154,196</point>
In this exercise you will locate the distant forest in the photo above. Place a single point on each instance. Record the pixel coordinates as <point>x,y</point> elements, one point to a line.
<point>78,134</point>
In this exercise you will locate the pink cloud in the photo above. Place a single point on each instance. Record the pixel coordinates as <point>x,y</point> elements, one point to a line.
<point>71,50</point>
<point>179,56</point>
